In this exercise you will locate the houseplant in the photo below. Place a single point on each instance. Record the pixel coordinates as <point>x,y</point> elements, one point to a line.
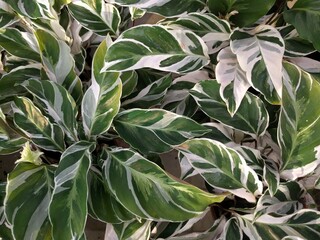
<point>92,101</point>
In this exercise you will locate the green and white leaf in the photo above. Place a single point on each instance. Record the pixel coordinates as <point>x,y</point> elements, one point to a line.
<point>59,63</point>
<point>101,101</point>
<point>7,16</point>
<point>232,78</point>
<point>222,167</point>
<point>20,44</point>
<point>5,226</point>
<point>156,47</point>
<point>96,15</point>
<point>29,119</point>
<point>251,117</point>
<point>164,7</point>
<point>151,95</point>
<point>129,82</point>
<point>139,185</point>
<point>9,146</point>
<point>271,175</point>
<point>299,122</point>
<point>161,130</point>
<point>136,13</point>
<point>307,64</point>
<point>259,53</point>
<point>129,230</point>
<point>57,104</point>
<point>28,195</point>
<point>70,193</point>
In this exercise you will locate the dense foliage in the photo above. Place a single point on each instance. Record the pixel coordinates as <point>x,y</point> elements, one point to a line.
<point>93,100</point>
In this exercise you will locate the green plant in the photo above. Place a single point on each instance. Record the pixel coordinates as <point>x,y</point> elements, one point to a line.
<point>229,87</point>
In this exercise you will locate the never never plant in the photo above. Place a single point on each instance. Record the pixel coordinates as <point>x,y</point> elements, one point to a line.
<point>93,101</point>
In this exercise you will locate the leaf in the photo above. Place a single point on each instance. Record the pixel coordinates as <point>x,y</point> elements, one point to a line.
<point>139,185</point>
<point>27,155</point>
<point>8,18</point>
<point>272,176</point>
<point>164,7</point>
<point>232,230</point>
<point>9,146</point>
<point>101,102</point>
<point>58,63</point>
<point>57,104</point>
<point>70,193</point>
<point>302,15</point>
<point>136,13</point>
<point>29,119</point>
<point>20,44</point>
<point>133,230</point>
<point>161,130</point>
<point>5,227</point>
<point>29,190</point>
<point>246,11</point>
<point>232,78</point>
<point>101,204</point>
<point>222,167</point>
<point>251,117</point>
<point>299,122</point>
<point>150,95</point>
<point>96,15</point>
<point>307,64</point>
<point>259,53</point>
<point>154,46</point>
<point>129,82</point>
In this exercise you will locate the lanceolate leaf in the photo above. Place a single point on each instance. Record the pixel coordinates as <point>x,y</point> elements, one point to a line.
<point>58,63</point>
<point>222,167</point>
<point>129,82</point>
<point>164,7</point>
<point>233,80</point>
<point>9,146</point>
<point>96,15</point>
<point>251,117</point>
<point>7,16</point>
<point>161,130</point>
<point>154,46</point>
<point>29,190</point>
<point>20,44</point>
<point>299,122</point>
<point>70,192</point>
<point>302,15</point>
<point>133,230</point>
<point>102,100</point>
<point>140,185</point>
<point>260,54</point>
<point>29,119</point>
<point>5,226</point>
<point>57,103</point>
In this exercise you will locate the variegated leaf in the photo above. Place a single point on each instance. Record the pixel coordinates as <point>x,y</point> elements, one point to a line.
<point>140,185</point>
<point>132,230</point>
<point>161,130</point>
<point>213,30</point>
<point>8,17</point>
<point>271,175</point>
<point>299,122</point>
<point>20,44</point>
<point>10,145</point>
<point>101,102</point>
<point>251,117</point>
<point>260,52</point>
<point>70,192</point>
<point>307,64</point>
<point>164,7</point>
<point>5,226</point>
<point>232,78</point>
<point>222,167</point>
<point>58,63</point>
<point>96,15</point>
<point>156,47</point>
<point>27,201</point>
<point>57,104</point>
<point>150,95</point>
<point>129,82</point>
<point>101,204</point>
<point>29,119</point>
<point>136,13</point>
<point>232,230</point>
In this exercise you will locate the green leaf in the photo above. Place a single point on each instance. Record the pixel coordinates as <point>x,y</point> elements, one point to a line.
<point>272,176</point>
<point>161,130</point>
<point>156,47</point>
<point>9,146</point>
<point>29,119</point>
<point>5,227</point>
<point>136,13</point>
<point>129,82</point>
<point>299,122</point>
<point>259,53</point>
<point>232,230</point>
<point>58,63</point>
<point>27,155</point>
<point>57,104</point>
<point>29,190</point>
<point>164,7</point>
<point>133,230</point>
<point>251,117</point>
<point>140,185</point>
<point>20,44</point>
<point>151,95</point>
<point>303,15</point>
<point>96,15</point>
<point>70,192</point>
<point>8,18</point>
<point>101,102</point>
<point>222,167</point>
<point>247,11</point>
